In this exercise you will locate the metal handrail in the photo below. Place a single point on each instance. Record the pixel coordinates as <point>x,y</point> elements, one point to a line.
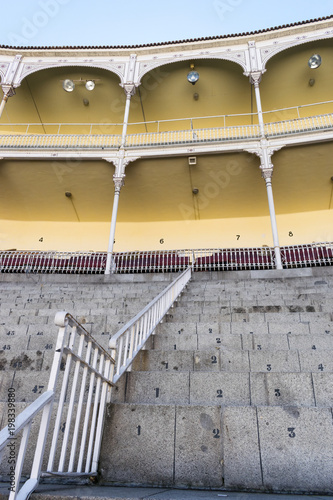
<point>130,339</point>
<point>101,125</point>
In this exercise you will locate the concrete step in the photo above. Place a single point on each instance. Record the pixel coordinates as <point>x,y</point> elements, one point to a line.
<point>219,447</point>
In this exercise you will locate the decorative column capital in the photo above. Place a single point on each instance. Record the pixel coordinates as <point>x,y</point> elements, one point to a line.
<point>8,90</point>
<point>255,77</point>
<point>265,153</point>
<point>119,181</point>
<point>129,89</point>
<point>267,173</point>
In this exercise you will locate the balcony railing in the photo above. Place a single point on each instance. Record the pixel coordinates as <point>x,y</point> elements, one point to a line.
<point>31,141</point>
<point>227,259</point>
<point>182,131</point>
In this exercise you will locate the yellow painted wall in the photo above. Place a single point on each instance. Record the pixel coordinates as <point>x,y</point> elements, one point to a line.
<point>256,231</point>
<point>165,94</point>
<point>286,82</point>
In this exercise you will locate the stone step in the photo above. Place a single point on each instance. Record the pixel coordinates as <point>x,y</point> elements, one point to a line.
<point>213,447</point>
<point>249,317</point>
<point>236,361</point>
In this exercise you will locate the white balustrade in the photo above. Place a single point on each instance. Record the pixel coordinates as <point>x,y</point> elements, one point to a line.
<point>152,261</point>
<point>190,136</point>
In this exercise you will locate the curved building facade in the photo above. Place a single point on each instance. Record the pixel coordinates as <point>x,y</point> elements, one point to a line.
<point>113,148</point>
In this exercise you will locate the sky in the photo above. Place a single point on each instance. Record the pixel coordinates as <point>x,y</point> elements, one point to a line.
<point>134,22</point>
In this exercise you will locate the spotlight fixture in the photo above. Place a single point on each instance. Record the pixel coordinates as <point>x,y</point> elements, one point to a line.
<point>68,85</point>
<point>90,84</point>
<point>195,190</point>
<point>68,194</point>
<point>86,102</point>
<point>314,61</point>
<point>193,76</point>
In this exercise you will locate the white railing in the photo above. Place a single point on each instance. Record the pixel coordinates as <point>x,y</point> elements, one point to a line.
<point>45,141</point>
<point>187,123</point>
<point>234,259</point>
<point>154,261</point>
<point>86,370</point>
<point>318,254</point>
<point>175,137</point>
<point>299,125</point>
<point>193,136</point>
<point>17,261</point>
<point>133,336</point>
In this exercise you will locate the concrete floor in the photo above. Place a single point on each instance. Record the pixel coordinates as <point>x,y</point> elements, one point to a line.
<point>69,492</point>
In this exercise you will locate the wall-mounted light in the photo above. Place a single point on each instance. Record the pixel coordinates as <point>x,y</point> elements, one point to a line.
<point>312,81</point>
<point>69,85</point>
<point>193,76</point>
<point>195,190</point>
<point>68,194</point>
<point>315,61</point>
<point>90,85</point>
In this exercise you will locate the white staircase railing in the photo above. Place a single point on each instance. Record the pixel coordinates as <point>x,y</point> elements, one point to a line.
<point>133,336</point>
<point>76,355</point>
<point>88,373</point>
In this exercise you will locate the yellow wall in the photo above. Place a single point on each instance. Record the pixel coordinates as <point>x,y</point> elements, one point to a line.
<point>165,94</point>
<point>256,231</point>
<point>286,82</point>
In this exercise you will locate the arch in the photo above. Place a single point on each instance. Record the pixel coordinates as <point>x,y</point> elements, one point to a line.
<point>29,69</point>
<point>299,40</point>
<point>239,59</point>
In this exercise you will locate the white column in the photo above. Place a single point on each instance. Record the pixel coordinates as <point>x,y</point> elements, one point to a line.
<point>265,153</point>
<point>267,175</point>
<point>118,184</point>
<point>130,91</point>
<point>255,79</point>
<point>119,177</point>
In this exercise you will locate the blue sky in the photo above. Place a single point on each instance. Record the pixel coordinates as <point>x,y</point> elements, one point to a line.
<point>131,22</point>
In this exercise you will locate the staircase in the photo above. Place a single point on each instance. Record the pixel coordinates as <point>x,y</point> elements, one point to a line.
<point>235,391</point>
<point>28,335</point>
